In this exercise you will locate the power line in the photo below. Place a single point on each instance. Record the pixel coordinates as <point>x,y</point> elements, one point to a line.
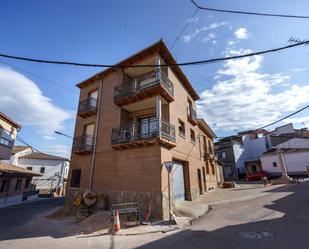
<point>200,62</point>
<point>292,114</point>
<point>185,27</point>
<point>38,76</point>
<point>248,13</point>
<point>28,144</point>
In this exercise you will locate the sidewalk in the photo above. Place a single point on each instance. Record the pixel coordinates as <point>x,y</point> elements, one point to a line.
<point>245,191</point>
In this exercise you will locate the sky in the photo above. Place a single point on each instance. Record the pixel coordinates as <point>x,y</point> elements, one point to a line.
<point>235,95</point>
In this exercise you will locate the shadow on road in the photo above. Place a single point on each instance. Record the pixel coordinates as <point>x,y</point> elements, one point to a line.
<point>290,231</point>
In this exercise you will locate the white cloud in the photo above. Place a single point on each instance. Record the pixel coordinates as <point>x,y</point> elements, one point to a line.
<point>193,19</point>
<point>209,37</point>
<point>58,150</point>
<point>212,26</point>
<point>241,33</point>
<point>21,99</point>
<point>244,98</point>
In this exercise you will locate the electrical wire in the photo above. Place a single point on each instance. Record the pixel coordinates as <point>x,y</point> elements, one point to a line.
<point>28,144</point>
<point>184,28</point>
<point>248,13</point>
<point>200,62</point>
<point>292,114</point>
<point>38,76</point>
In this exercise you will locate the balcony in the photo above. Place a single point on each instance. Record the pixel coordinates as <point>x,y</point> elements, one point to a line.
<point>87,107</point>
<point>192,118</point>
<point>156,131</point>
<point>208,155</point>
<point>83,144</point>
<point>144,86</point>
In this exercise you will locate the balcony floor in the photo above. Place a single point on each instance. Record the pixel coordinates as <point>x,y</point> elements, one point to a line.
<point>145,142</point>
<point>144,94</point>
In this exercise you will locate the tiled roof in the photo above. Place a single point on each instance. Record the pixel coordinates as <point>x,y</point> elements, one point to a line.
<point>12,169</point>
<point>17,149</point>
<point>42,156</point>
<point>165,54</point>
<point>285,150</point>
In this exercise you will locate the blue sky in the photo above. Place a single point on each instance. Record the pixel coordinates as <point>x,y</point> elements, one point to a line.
<point>236,95</point>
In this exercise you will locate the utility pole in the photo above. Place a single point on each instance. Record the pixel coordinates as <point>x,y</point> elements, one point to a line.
<point>284,175</point>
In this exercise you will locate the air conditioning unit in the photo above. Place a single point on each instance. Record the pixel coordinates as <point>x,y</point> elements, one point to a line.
<point>126,135</point>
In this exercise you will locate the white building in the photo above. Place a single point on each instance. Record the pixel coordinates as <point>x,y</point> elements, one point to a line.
<point>296,161</point>
<point>54,169</point>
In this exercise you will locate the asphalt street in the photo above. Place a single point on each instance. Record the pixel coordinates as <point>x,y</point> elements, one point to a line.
<point>278,219</point>
<point>13,218</point>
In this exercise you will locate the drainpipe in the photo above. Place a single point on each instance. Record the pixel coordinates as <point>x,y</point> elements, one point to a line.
<point>96,133</point>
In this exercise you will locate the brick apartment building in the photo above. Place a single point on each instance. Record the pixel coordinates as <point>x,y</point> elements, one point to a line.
<point>130,121</point>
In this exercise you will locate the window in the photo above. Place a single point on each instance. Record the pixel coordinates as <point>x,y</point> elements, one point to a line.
<point>4,186</point>
<point>75,178</point>
<point>213,169</point>
<point>29,168</point>
<point>18,184</point>
<point>210,147</point>
<point>42,170</point>
<point>182,130</point>
<point>27,183</point>
<point>192,135</point>
<point>223,154</point>
<point>88,133</point>
<point>207,168</point>
<point>275,164</point>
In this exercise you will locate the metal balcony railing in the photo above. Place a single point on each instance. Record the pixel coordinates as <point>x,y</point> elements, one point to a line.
<point>83,144</point>
<point>142,82</point>
<point>4,138</point>
<point>192,114</point>
<point>155,128</point>
<point>88,105</point>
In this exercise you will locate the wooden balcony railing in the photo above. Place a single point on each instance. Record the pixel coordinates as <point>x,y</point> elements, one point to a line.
<point>144,86</point>
<point>87,107</point>
<point>83,144</point>
<point>156,128</point>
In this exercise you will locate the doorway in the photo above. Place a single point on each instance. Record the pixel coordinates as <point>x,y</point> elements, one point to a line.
<point>178,181</point>
<point>199,177</point>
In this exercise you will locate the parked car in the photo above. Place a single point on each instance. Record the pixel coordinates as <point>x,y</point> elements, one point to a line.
<point>256,176</point>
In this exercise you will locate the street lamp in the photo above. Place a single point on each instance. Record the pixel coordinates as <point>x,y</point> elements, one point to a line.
<point>62,134</point>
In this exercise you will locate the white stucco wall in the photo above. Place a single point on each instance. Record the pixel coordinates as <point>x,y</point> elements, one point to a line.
<point>253,147</point>
<point>14,158</point>
<point>295,162</point>
<point>52,168</point>
<point>238,153</point>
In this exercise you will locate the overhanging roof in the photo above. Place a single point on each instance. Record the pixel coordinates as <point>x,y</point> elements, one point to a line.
<point>204,127</point>
<point>10,121</point>
<point>158,47</point>
<point>12,169</point>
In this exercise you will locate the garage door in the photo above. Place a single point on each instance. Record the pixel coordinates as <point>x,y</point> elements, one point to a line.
<point>178,182</point>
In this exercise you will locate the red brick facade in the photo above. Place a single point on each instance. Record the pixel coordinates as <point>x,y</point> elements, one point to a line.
<point>132,170</point>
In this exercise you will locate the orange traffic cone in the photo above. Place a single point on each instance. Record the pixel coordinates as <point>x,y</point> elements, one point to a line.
<point>116,221</point>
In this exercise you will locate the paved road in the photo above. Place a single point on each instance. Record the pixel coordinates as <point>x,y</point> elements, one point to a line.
<point>13,218</point>
<point>279,220</point>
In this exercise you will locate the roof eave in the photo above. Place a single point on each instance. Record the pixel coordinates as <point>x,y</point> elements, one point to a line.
<point>159,47</point>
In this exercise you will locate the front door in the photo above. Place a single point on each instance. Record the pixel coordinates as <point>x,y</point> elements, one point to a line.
<point>89,132</point>
<point>199,177</point>
<point>178,181</point>
<point>148,127</point>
